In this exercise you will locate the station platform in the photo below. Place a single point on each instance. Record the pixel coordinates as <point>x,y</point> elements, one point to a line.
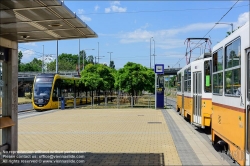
<point>117,137</point>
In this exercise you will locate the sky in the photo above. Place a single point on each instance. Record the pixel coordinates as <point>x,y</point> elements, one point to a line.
<point>126,28</point>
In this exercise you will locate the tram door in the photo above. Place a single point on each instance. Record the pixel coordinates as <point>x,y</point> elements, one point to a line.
<point>182,95</point>
<point>197,87</point>
<point>248,112</point>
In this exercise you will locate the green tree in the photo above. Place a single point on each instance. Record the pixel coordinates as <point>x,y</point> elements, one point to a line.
<point>66,62</point>
<point>172,81</point>
<point>34,65</point>
<point>133,78</point>
<point>112,64</point>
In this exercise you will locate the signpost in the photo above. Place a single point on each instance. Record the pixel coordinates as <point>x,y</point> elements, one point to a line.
<point>159,86</point>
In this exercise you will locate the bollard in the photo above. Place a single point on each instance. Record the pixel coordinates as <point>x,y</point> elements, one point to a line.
<point>105,100</point>
<point>132,102</point>
<point>62,103</point>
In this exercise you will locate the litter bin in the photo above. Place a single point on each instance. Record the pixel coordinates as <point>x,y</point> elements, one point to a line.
<point>62,103</point>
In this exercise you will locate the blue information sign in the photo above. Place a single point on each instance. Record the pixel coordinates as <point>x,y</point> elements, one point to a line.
<point>159,68</point>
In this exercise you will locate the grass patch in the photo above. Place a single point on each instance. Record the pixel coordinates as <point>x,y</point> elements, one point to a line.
<point>23,100</point>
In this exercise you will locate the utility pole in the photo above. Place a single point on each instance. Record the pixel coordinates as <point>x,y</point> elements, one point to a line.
<point>79,58</point>
<point>98,52</point>
<point>154,51</point>
<point>110,57</point>
<point>56,56</point>
<point>43,59</point>
<point>150,52</point>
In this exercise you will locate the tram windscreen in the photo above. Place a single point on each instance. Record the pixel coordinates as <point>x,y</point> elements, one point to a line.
<point>43,86</point>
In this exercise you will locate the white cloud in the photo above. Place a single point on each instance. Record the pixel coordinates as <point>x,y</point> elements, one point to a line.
<point>140,35</point>
<point>30,44</point>
<point>85,18</point>
<point>242,19</point>
<point>107,10</point>
<point>97,8</point>
<point>28,55</point>
<point>115,7</point>
<point>80,11</point>
<point>115,3</point>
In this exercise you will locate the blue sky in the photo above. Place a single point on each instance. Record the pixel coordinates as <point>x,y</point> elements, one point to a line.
<point>125,28</point>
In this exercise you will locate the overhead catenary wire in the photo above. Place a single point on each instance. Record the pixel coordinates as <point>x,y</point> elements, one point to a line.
<point>196,46</point>
<point>166,10</point>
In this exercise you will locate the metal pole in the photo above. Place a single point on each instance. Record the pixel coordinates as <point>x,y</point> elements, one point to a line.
<point>110,58</point>
<point>155,89</point>
<point>83,53</point>
<point>43,59</point>
<point>98,52</point>
<point>150,53</point>
<point>232,27</point>
<point>57,56</point>
<point>154,51</point>
<point>79,57</point>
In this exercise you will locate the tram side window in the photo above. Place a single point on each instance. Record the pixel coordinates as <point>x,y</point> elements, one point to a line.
<point>218,83</point>
<point>57,90</point>
<point>207,74</point>
<point>218,61</point>
<point>218,72</point>
<point>185,80</point>
<point>179,82</point>
<point>232,69</point>
<point>189,79</point>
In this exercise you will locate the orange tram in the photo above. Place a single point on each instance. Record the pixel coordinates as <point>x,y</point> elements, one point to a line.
<point>214,91</point>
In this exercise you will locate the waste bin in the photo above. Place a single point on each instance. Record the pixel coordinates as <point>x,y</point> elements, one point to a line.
<point>62,103</point>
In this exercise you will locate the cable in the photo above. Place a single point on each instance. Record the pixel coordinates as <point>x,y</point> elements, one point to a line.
<point>210,29</point>
<point>169,10</point>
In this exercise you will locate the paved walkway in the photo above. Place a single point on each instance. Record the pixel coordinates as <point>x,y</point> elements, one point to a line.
<point>118,137</point>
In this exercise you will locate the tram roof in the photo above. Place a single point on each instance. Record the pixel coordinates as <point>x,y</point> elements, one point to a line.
<point>39,20</point>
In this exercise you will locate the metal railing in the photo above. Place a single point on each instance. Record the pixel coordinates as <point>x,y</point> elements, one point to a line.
<point>145,101</point>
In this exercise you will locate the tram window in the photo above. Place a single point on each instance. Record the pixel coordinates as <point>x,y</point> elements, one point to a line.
<point>232,82</point>
<point>207,71</point>
<point>187,80</point>
<point>179,82</point>
<point>218,83</point>
<point>218,61</point>
<point>232,54</point>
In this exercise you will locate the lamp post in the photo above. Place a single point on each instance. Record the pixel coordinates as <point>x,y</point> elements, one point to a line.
<point>98,52</point>
<point>150,52</point>
<point>83,56</point>
<point>154,51</point>
<point>110,57</point>
<point>227,24</point>
<point>98,57</point>
<point>56,56</point>
<point>48,58</point>
<point>79,57</point>
<point>43,59</point>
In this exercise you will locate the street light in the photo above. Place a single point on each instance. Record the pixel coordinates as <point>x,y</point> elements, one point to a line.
<point>150,52</point>
<point>154,51</point>
<point>83,56</point>
<point>110,57</point>
<point>98,57</point>
<point>43,59</point>
<point>227,24</point>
